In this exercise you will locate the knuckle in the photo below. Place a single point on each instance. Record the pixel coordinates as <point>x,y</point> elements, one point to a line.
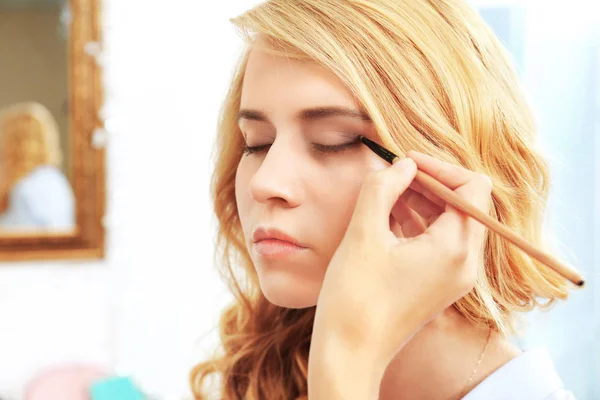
<point>468,280</point>
<point>485,181</point>
<point>457,255</point>
<point>358,235</point>
<point>439,173</point>
<point>376,179</point>
<point>382,178</point>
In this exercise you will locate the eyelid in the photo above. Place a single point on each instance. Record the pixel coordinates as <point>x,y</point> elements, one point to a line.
<point>336,147</point>
<point>255,149</point>
<point>320,148</point>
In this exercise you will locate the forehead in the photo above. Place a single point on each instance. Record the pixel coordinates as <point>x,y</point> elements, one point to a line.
<point>273,81</point>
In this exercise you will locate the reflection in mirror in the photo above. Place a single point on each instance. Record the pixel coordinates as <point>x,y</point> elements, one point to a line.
<point>35,190</point>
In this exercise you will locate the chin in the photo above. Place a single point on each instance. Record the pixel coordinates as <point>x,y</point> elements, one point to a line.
<point>288,292</point>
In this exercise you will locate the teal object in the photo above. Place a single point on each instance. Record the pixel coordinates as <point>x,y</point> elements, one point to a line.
<point>116,388</point>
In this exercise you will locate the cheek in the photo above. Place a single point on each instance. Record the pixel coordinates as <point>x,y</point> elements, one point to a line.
<point>349,181</point>
<point>339,199</point>
<point>242,181</point>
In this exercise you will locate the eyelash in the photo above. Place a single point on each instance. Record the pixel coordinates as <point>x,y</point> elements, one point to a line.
<point>316,147</point>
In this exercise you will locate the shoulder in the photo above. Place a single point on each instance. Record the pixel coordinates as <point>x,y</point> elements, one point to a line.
<point>43,182</point>
<point>45,194</point>
<point>44,175</point>
<point>529,376</point>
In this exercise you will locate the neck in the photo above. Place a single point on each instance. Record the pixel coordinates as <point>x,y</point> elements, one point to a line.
<point>439,360</point>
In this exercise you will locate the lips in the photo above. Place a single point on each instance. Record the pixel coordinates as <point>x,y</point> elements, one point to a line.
<point>263,234</point>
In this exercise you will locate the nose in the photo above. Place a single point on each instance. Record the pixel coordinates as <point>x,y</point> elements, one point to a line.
<point>278,178</point>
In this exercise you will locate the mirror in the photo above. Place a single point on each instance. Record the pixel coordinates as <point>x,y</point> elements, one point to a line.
<point>51,147</point>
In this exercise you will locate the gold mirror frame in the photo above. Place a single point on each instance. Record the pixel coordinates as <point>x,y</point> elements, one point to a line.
<point>87,150</point>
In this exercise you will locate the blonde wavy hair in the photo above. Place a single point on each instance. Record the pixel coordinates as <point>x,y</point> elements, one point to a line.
<point>29,138</point>
<point>434,78</point>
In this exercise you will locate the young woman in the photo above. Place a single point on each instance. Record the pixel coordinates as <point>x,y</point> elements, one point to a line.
<point>34,193</point>
<point>355,283</point>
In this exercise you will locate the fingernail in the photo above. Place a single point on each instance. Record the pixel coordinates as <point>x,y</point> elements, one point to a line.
<point>404,163</point>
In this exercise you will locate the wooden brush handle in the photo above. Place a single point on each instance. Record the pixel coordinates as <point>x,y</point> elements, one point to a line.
<point>444,193</point>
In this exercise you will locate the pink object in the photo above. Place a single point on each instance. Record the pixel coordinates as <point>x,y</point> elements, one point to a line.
<point>69,382</point>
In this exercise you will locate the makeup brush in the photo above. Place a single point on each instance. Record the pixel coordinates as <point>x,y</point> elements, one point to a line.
<point>444,193</point>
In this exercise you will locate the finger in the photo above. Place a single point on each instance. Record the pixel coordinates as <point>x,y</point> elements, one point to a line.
<point>478,192</point>
<point>422,205</point>
<point>417,187</point>
<point>455,229</point>
<point>395,227</point>
<point>449,232</point>
<point>473,186</point>
<point>409,221</point>
<point>453,176</point>
<point>378,195</point>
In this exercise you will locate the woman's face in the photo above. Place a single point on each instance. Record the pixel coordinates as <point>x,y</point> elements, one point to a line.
<point>304,175</point>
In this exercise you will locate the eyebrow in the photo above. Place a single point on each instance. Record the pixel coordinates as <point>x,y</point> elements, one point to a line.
<point>309,114</point>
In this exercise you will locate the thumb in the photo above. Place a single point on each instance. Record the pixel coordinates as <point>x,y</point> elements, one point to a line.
<point>379,193</point>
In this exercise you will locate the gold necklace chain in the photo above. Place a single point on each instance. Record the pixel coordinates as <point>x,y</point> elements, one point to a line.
<point>487,342</point>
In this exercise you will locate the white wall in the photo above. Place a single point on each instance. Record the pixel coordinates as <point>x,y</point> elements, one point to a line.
<point>559,75</point>
<point>142,309</point>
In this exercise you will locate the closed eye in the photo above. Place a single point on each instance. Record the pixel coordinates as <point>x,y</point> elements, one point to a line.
<point>320,148</point>
<point>334,149</point>
<point>255,149</point>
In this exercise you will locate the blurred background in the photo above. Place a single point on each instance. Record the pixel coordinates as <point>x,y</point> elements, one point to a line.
<point>144,310</point>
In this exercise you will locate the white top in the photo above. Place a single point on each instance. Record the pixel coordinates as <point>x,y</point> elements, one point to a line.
<point>529,376</point>
<point>41,200</point>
